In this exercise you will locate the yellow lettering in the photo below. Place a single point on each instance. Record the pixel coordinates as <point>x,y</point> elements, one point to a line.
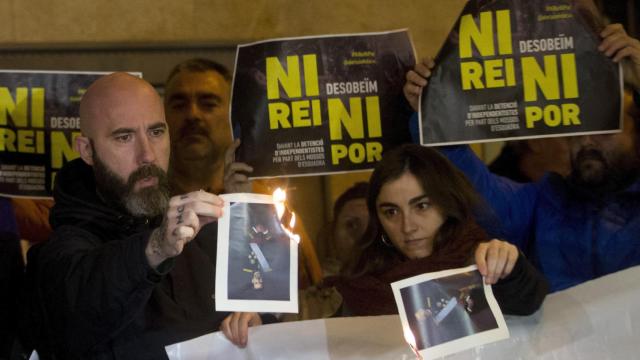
<point>24,141</point>
<point>17,110</point>
<point>534,77</point>
<point>569,76</point>
<point>510,72</point>
<point>482,37</point>
<point>300,113</point>
<point>278,116</point>
<point>315,110</point>
<point>61,149</point>
<point>493,73</point>
<point>310,75</point>
<point>338,152</point>
<point>503,20</point>
<point>7,140</point>
<point>532,114</point>
<point>290,80</point>
<point>53,178</point>
<point>471,75</point>
<point>351,120</point>
<point>357,153</point>
<point>37,107</point>
<point>553,115</point>
<point>570,113</point>
<point>374,151</point>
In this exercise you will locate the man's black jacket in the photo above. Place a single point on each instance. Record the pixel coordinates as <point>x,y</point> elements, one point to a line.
<point>91,292</point>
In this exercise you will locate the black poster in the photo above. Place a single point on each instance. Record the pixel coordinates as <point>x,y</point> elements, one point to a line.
<point>317,105</point>
<point>521,69</point>
<point>39,119</point>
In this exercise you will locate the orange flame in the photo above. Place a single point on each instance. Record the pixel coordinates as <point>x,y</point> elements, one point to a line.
<point>292,223</point>
<point>279,198</point>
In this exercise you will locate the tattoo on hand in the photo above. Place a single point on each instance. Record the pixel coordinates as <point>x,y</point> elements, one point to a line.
<point>156,238</point>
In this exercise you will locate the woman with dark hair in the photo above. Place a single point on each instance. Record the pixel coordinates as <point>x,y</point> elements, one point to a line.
<point>422,219</point>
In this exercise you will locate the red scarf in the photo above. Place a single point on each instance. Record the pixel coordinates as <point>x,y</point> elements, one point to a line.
<point>371,294</point>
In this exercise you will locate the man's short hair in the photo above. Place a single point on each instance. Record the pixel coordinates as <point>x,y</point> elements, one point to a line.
<point>200,65</point>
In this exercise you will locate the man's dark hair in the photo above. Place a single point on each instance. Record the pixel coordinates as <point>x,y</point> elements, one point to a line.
<point>200,65</point>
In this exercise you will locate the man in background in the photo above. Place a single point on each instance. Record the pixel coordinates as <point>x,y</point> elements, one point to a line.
<point>582,226</point>
<point>529,160</point>
<point>196,100</point>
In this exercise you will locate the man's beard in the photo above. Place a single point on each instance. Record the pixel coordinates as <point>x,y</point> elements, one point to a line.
<point>149,201</point>
<point>591,170</point>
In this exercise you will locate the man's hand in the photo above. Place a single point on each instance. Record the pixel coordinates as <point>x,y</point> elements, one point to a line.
<point>236,327</point>
<point>495,260</point>
<point>416,81</point>
<point>182,221</point>
<point>235,173</point>
<point>622,47</point>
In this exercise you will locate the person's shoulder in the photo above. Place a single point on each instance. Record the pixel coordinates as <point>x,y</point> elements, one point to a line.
<point>552,187</point>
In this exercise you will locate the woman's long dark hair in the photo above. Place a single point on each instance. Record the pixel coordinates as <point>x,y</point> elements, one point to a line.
<point>447,188</point>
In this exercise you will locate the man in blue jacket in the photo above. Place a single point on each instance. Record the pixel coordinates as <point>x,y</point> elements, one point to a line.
<point>585,225</point>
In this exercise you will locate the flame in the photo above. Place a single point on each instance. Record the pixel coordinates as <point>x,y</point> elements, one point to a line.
<point>408,337</point>
<point>293,236</point>
<point>279,198</point>
<point>292,223</point>
<point>411,340</point>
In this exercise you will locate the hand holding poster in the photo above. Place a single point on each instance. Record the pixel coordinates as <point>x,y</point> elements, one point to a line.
<point>316,105</point>
<point>448,311</point>
<point>257,260</point>
<point>521,69</point>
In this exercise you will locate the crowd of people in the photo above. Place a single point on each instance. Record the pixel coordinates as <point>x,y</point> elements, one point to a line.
<point>129,266</point>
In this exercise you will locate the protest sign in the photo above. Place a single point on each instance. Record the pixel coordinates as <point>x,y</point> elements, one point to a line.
<point>449,311</point>
<point>521,69</point>
<point>318,105</point>
<point>39,120</point>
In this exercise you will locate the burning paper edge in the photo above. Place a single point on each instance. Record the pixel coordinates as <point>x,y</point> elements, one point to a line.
<point>222,301</point>
<point>279,201</point>
<point>461,344</point>
<point>411,340</point>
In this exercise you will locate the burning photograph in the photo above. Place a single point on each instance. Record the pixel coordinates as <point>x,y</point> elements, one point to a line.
<point>258,253</point>
<point>449,311</point>
<point>256,269</point>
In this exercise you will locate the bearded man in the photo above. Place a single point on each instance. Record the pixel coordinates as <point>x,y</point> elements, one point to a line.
<point>127,270</point>
<point>582,226</point>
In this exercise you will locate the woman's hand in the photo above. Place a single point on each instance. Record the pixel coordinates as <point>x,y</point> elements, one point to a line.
<point>236,326</point>
<point>495,260</point>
